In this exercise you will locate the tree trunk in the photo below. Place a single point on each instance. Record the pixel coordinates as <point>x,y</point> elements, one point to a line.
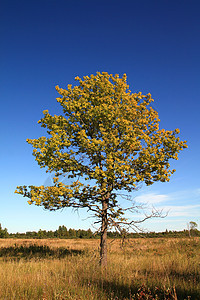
<point>104,227</point>
<point>188,225</point>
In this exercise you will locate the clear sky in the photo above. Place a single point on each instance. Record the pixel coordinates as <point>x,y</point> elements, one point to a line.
<point>45,43</point>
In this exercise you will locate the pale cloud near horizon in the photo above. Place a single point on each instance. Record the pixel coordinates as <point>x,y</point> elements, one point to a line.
<point>183,210</point>
<point>157,197</point>
<point>180,208</point>
<point>162,200</point>
<point>152,198</point>
<point>197,191</point>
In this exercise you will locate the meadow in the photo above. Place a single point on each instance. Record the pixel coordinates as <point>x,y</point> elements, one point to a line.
<point>46,269</point>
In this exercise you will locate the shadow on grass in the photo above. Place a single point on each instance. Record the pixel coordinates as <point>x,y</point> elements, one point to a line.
<point>139,291</point>
<point>36,251</point>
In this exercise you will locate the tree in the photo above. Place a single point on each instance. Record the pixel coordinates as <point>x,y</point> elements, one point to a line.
<point>106,135</point>
<point>41,234</point>
<point>3,232</point>
<point>62,232</point>
<point>192,228</point>
<point>193,225</point>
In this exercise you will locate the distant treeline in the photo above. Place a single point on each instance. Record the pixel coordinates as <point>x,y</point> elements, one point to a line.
<point>63,233</point>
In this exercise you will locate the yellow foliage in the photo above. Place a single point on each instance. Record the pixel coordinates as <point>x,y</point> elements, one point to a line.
<point>107,134</point>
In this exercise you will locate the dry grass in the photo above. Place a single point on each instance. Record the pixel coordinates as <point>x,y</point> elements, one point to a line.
<point>69,269</point>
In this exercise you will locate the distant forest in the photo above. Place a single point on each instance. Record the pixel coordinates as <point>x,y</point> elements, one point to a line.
<point>63,233</point>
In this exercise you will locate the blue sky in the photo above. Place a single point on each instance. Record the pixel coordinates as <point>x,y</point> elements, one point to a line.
<point>45,43</point>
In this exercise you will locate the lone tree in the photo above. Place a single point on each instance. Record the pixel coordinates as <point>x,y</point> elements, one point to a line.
<point>106,135</point>
<point>193,225</point>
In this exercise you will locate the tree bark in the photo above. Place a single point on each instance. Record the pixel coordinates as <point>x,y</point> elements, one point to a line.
<point>104,227</point>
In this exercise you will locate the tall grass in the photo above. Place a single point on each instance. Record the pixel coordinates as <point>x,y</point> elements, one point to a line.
<point>69,269</point>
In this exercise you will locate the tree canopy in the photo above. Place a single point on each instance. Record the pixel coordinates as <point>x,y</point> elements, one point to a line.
<point>193,225</point>
<point>107,140</point>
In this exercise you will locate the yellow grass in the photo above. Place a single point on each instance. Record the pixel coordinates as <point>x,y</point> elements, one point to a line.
<point>69,269</point>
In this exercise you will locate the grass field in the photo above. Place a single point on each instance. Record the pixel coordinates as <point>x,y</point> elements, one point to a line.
<point>69,269</point>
